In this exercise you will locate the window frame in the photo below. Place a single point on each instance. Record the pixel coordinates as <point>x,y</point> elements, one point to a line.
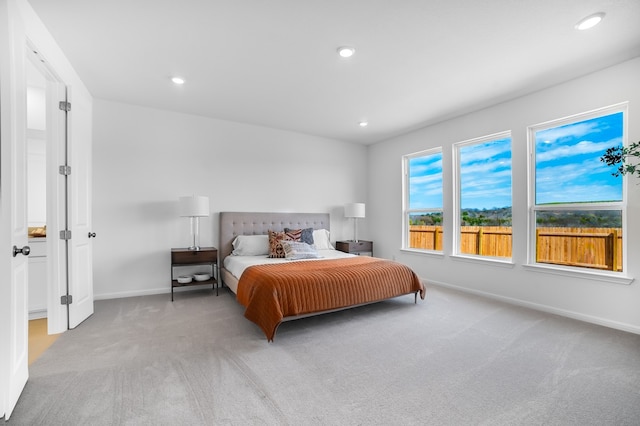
<point>533,208</point>
<point>406,211</point>
<point>457,204</point>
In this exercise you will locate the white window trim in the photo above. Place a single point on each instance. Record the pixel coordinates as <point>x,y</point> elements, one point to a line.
<point>594,274</point>
<point>405,199</point>
<point>423,252</point>
<point>504,262</point>
<point>457,224</point>
<point>575,272</point>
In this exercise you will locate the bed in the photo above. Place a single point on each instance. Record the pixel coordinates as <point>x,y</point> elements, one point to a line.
<point>274,290</point>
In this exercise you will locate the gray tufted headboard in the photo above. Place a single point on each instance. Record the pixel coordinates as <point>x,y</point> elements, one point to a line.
<point>233,224</point>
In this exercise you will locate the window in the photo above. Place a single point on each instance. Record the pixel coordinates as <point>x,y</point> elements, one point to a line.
<point>484,196</point>
<point>577,206</point>
<point>423,200</point>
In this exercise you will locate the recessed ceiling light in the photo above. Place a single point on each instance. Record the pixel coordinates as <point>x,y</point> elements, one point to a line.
<point>590,21</point>
<point>363,123</point>
<point>346,51</point>
<point>178,80</point>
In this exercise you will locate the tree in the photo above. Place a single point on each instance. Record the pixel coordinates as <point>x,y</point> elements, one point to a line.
<point>623,157</point>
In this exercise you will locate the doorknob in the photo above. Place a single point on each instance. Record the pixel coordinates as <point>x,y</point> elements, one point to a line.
<point>24,250</point>
<point>92,234</point>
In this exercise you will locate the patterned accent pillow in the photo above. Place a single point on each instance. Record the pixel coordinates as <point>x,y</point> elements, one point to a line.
<point>275,243</point>
<point>298,250</point>
<point>304,235</point>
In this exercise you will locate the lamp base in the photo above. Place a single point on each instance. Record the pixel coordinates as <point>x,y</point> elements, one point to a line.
<point>195,234</point>
<point>355,229</point>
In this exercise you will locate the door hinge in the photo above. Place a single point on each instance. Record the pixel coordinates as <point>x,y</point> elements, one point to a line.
<point>65,106</point>
<point>66,300</point>
<point>64,170</point>
<point>65,235</point>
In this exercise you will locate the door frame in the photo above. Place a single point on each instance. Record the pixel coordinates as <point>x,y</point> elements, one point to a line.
<point>55,191</point>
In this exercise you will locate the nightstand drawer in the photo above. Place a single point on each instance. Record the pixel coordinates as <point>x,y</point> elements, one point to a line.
<point>356,247</point>
<point>186,257</point>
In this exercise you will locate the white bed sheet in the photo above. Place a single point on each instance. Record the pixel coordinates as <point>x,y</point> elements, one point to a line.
<point>237,264</point>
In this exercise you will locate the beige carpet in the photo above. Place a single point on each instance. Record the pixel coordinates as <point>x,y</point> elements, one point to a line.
<point>454,359</point>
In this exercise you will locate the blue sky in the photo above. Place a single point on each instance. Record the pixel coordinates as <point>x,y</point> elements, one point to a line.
<point>425,182</point>
<point>485,175</point>
<point>568,161</point>
<point>568,168</point>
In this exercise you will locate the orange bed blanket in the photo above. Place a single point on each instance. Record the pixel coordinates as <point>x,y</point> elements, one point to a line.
<point>275,291</point>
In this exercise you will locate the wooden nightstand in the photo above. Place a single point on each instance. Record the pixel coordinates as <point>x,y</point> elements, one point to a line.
<point>360,247</point>
<point>186,257</point>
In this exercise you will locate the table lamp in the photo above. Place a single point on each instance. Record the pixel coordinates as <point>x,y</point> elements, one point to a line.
<point>355,211</point>
<point>194,207</point>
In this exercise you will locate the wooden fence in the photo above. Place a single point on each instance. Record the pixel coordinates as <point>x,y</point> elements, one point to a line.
<point>598,248</point>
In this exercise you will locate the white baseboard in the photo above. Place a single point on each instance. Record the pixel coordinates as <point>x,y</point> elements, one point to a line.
<point>37,314</point>
<point>150,292</point>
<point>544,308</point>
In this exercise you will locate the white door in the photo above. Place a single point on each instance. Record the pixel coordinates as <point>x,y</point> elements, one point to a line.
<point>68,205</point>
<point>13,217</point>
<point>80,252</point>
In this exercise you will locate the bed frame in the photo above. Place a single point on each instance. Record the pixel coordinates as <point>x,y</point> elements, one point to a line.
<point>233,224</point>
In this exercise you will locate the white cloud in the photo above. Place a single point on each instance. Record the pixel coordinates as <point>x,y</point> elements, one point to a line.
<point>474,153</point>
<point>582,147</point>
<point>487,168</point>
<point>570,131</point>
<point>576,182</point>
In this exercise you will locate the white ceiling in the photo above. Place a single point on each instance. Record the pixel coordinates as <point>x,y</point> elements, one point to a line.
<point>274,62</point>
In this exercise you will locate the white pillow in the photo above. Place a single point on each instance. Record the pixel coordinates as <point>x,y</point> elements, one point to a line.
<point>298,250</point>
<point>251,245</point>
<point>321,240</point>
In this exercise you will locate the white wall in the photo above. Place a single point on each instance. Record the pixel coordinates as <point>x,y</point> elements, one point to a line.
<point>601,302</point>
<point>144,159</point>
<point>36,148</point>
<point>36,182</point>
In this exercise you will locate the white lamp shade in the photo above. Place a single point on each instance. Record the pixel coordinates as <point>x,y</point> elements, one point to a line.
<point>194,205</point>
<point>354,210</point>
